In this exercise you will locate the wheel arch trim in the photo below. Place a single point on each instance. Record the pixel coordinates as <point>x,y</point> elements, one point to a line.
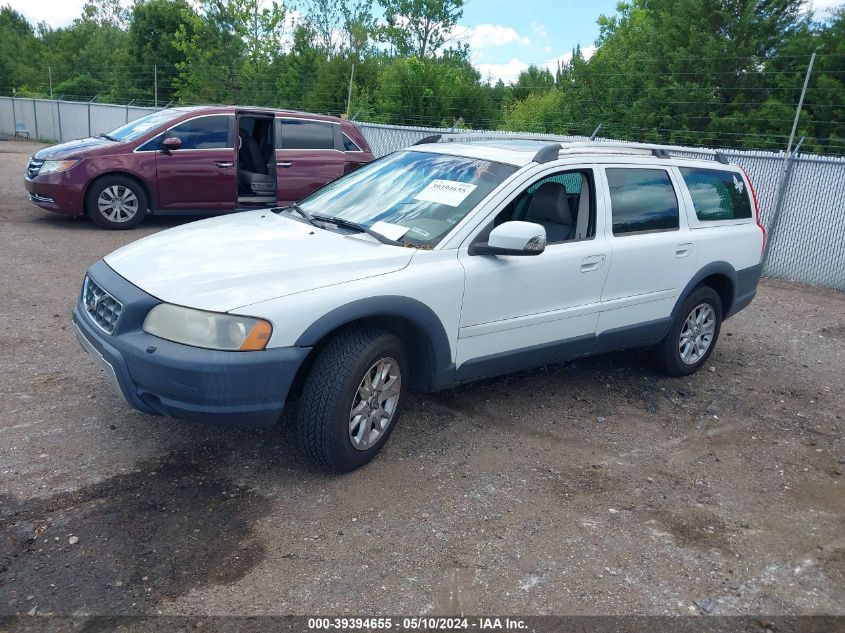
<point>390,306</point>
<point>717,268</point>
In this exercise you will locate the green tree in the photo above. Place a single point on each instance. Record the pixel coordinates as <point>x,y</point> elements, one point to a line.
<point>419,27</point>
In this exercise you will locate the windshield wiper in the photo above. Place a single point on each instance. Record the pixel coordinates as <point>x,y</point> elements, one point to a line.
<point>349,224</point>
<point>107,137</point>
<point>299,210</point>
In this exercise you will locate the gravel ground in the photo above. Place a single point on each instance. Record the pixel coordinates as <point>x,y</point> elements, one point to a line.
<point>594,487</point>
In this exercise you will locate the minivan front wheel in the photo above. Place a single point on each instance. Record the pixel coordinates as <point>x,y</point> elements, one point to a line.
<point>693,335</point>
<point>352,397</point>
<point>116,202</point>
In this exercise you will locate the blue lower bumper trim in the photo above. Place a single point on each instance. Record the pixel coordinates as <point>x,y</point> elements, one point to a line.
<point>163,378</point>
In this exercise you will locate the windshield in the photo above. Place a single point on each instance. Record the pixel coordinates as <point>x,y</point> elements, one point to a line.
<point>139,127</point>
<point>414,197</point>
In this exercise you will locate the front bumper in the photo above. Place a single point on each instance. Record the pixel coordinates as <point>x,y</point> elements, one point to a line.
<point>59,193</point>
<point>164,378</point>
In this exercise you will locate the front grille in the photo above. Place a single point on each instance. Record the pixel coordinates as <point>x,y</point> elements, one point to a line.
<point>103,309</point>
<point>33,168</point>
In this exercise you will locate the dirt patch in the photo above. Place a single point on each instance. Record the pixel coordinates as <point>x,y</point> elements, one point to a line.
<point>130,542</point>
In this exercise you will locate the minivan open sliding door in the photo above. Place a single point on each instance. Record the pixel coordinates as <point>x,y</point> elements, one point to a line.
<point>256,159</point>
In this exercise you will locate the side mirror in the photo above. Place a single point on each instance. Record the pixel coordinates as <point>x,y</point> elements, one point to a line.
<point>171,143</point>
<point>513,238</point>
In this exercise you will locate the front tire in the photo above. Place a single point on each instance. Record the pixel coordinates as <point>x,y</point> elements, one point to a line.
<point>116,202</point>
<point>352,398</point>
<point>693,335</point>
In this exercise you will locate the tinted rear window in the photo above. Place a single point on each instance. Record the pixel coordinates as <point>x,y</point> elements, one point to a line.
<point>717,194</point>
<point>642,200</point>
<point>301,134</point>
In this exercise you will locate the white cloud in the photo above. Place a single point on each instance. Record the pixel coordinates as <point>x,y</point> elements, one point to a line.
<point>821,7</point>
<point>56,13</point>
<point>486,35</point>
<point>509,71</point>
<point>539,29</point>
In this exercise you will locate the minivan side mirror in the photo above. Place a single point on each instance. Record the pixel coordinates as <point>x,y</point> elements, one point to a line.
<point>513,238</point>
<point>171,143</point>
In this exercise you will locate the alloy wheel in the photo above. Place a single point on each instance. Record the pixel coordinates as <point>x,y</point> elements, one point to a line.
<point>697,333</point>
<point>118,203</point>
<point>375,403</point>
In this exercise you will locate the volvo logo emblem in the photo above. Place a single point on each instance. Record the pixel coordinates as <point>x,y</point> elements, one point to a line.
<point>95,302</point>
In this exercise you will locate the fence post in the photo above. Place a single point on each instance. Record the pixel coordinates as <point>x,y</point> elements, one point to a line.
<point>127,110</point>
<point>14,116</point>
<point>35,116</point>
<point>59,114</point>
<point>155,83</point>
<point>89,115</point>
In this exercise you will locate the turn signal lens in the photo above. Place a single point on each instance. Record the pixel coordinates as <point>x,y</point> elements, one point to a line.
<point>258,337</point>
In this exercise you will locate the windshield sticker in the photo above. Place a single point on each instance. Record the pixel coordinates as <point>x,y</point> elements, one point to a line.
<point>448,192</point>
<point>390,231</point>
<point>420,232</point>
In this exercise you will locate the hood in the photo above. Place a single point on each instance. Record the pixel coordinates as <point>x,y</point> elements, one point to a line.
<point>81,148</point>
<point>236,260</point>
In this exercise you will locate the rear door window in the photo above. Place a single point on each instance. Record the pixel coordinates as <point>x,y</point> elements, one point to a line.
<point>642,200</point>
<point>717,194</point>
<point>303,134</point>
<point>207,132</point>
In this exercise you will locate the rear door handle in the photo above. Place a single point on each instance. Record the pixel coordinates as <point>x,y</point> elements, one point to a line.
<point>224,164</point>
<point>593,262</point>
<point>285,165</point>
<point>682,250</point>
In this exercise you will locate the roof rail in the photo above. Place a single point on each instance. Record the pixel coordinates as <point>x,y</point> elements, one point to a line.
<point>548,153</point>
<point>429,139</point>
<point>659,152</point>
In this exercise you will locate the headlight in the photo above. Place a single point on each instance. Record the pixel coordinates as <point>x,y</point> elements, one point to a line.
<point>211,330</point>
<point>53,166</point>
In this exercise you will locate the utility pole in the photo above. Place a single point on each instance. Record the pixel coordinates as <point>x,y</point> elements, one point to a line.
<point>787,164</point>
<point>349,94</point>
<point>800,104</point>
<point>155,82</point>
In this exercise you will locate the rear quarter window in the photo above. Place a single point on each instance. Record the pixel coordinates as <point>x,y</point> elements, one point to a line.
<point>304,134</point>
<point>642,200</point>
<point>716,194</point>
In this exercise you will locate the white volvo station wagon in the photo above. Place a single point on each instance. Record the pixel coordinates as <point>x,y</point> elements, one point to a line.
<point>436,265</point>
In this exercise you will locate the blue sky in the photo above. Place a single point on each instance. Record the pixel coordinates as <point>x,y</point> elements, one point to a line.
<point>507,35</point>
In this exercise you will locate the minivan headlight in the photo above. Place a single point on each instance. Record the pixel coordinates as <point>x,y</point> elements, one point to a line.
<point>211,330</point>
<point>54,166</point>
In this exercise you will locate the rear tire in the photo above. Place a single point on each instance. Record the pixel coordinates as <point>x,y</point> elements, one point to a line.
<point>116,202</point>
<point>352,398</point>
<point>693,335</point>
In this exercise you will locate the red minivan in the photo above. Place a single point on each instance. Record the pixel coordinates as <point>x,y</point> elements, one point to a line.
<point>195,160</point>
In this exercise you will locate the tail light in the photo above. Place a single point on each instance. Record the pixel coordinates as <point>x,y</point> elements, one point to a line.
<point>756,211</point>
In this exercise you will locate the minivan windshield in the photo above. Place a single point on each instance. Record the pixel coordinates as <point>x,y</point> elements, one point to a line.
<point>409,196</point>
<point>139,127</point>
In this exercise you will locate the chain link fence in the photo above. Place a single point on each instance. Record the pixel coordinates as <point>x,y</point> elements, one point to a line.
<point>805,221</point>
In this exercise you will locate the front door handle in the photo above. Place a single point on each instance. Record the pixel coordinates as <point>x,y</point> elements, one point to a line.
<point>224,164</point>
<point>285,165</point>
<point>683,250</point>
<point>593,262</point>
